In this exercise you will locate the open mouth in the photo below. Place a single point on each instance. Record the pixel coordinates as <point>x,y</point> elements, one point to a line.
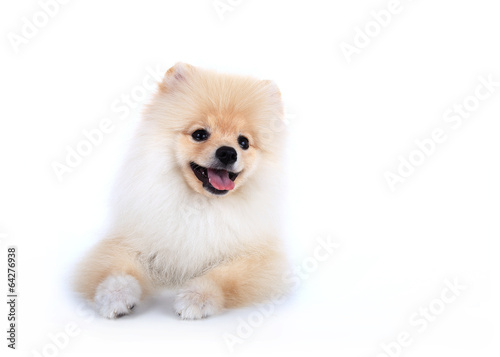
<point>216,181</point>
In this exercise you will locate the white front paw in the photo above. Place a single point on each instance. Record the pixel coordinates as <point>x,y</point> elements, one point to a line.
<point>117,296</point>
<point>199,298</point>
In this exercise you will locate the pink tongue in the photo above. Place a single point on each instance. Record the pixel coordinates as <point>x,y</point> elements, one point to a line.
<point>220,179</point>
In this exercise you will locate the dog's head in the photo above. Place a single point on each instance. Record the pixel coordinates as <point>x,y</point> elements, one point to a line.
<point>221,127</point>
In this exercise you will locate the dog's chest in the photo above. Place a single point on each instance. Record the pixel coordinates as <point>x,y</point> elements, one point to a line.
<point>191,241</point>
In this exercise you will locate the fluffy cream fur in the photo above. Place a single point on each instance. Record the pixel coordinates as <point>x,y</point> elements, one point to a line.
<point>219,251</point>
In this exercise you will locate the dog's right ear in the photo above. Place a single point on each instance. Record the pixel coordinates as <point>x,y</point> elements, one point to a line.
<point>175,75</point>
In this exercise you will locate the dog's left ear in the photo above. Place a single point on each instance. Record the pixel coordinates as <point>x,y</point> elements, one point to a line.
<point>180,72</point>
<point>272,88</point>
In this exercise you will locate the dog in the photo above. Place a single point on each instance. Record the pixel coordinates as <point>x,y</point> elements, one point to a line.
<point>197,204</point>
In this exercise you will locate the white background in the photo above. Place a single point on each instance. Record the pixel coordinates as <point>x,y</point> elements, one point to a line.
<point>349,123</point>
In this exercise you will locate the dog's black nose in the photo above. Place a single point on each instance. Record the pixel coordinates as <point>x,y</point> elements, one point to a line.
<point>227,155</point>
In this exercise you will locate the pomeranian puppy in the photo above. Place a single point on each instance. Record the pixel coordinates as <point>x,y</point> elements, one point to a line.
<point>196,205</point>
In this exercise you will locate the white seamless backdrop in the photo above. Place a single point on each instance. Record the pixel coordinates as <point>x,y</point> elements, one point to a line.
<point>393,172</point>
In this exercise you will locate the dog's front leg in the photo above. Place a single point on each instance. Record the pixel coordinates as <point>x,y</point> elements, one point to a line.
<point>249,279</point>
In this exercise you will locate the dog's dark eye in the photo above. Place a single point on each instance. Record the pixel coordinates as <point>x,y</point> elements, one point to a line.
<point>243,142</point>
<point>200,135</point>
